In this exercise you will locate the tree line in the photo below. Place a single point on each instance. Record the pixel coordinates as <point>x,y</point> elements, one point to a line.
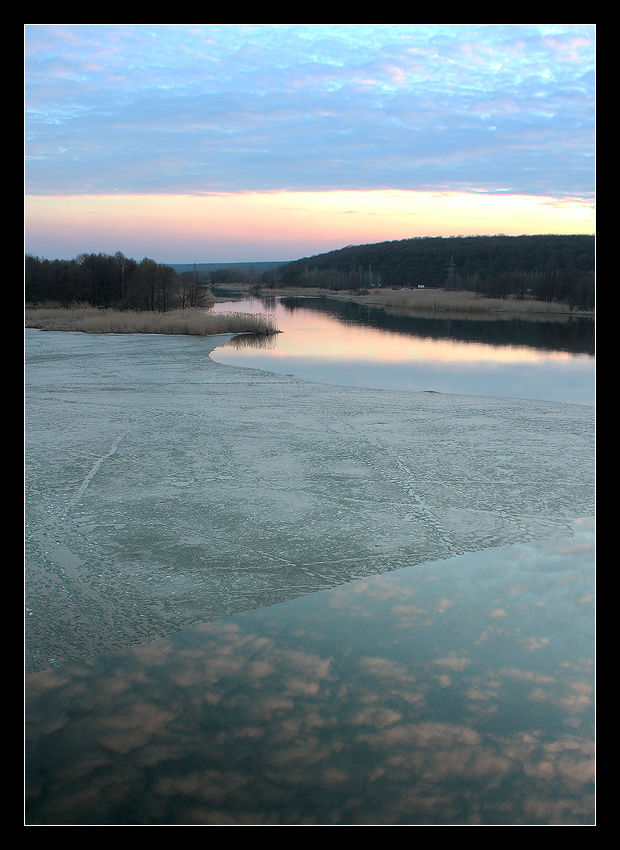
<point>106,280</point>
<point>550,268</point>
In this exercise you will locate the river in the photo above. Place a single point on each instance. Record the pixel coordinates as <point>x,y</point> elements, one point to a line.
<point>256,600</point>
<point>339,342</point>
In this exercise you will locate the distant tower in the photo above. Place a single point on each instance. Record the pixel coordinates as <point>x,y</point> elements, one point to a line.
<point>452,279</point>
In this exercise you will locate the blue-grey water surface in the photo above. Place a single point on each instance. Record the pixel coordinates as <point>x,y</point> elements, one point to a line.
<point>252,600</point>
<point>458,692</point>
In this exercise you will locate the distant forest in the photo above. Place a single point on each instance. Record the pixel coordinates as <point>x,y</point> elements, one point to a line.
<point>548,268</point>
<point>113,280</point>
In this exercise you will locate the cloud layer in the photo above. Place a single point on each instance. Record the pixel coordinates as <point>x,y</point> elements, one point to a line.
<point>167,108</point>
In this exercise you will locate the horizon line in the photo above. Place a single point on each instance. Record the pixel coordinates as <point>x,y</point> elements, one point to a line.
<point>330,251</point>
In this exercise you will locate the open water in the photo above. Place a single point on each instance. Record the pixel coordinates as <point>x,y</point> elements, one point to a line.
<point>337,342</point>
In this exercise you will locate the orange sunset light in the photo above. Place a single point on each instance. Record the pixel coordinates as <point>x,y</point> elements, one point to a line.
<point>296,224</point>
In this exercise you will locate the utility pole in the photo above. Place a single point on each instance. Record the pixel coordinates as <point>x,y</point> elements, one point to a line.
<point>451,272</point>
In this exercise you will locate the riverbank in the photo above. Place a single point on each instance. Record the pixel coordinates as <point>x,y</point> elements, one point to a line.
<point>195,321</point>
<point>463,303</point>
<point>428,302</point>
<point>201,322</point>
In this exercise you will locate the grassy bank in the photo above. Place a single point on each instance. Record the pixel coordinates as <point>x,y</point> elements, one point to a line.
<point>437,302</point>
<point>195,322</point>
<point>461,302</point>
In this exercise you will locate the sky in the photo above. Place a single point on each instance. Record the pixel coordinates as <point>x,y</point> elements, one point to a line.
<point>257,142</point>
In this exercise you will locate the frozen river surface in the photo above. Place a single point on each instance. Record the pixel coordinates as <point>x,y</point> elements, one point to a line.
<point>164,490</point>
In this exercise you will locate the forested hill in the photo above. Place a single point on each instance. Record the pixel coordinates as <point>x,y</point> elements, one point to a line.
<point>552,267</point>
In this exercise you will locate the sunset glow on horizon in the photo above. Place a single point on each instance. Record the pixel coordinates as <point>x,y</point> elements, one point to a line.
<point>281,225</point>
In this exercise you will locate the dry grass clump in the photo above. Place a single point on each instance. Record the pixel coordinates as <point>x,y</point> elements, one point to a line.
<point>463,302</point>
<point>193,321</point>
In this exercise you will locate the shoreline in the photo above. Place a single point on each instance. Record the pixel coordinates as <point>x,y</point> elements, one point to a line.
<point>428,302</point>
<point>199,321</point>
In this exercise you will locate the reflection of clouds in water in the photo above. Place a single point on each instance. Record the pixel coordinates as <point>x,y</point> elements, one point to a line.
<point>384,668</point>
<point>578,698</point>
<point>532,644</point>
<point>300,736</point>
<point>454,661</point>
<point>484,692</point>
<point>527,675</point>
<point>330,701</point>
<point>212,785</point>
<point>132,729</point>
<point>375,716</point>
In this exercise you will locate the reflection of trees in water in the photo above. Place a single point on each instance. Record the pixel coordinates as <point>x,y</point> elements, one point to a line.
<point>264,341</point>
<point>575,335</point>
<point>269,301</point>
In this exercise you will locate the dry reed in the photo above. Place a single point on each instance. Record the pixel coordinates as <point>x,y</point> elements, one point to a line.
<point>463,302</point>
<point>194,321</point>
<point>438,302</point>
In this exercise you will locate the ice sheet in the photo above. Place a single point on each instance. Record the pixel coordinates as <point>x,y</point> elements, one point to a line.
<point>164,490</point>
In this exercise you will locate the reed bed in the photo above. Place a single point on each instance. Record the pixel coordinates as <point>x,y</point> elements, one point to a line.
<point>438,302</point>
<point>464,302</point>
<point>195,322</point>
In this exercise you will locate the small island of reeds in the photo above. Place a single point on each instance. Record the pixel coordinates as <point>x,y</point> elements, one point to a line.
<point>193,321</point>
